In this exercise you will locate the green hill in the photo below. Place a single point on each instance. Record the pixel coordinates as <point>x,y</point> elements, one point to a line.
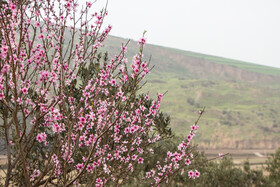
<point>241,99</point>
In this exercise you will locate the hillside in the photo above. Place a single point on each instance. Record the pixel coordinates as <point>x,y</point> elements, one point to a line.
<point>241,99</point>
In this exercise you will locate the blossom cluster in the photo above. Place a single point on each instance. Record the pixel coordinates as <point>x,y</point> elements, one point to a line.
<point>176,161</point>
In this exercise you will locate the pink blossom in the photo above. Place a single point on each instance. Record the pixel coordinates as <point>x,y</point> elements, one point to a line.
<point>189,137</point>
<point>143,65</point>
<point>197,174</point>
<point>182,171</point>
<point>82,120</point>
<point>133,157</point>
<point>54,157</point>
<point>12,7</point>
<point>41,36</point>
<point>136,70</point>
<point>148,175</point>
<point>24,90</point>
<point>157,179</point>
<point>113,82</point>
<point>15,57</point>
<point>140,160</point>
<point>37,24</point>
<point>79,166</point>
<point>56,128</point>
<point>140,150</point>
<point>89,168</point>
<point>187,162</point>
<point>124,49</point>
<point>142,41</point>
<point>89,4</point>
<point>44,75</point>
<point>2,95</point>
<point>36,173</point>
<point>41,137</point>
<point>98,181</point>
<point>191,174</point>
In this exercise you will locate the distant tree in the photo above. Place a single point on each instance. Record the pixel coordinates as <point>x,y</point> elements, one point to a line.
<point>224,173</point>
<point>273,167</point>
<point>70,115</point>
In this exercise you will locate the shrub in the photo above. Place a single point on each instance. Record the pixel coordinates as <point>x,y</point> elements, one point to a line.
<point>273,167</point>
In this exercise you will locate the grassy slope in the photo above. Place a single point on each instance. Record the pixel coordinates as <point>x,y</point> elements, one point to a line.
<point>234,111</point>
<point>242,99</point>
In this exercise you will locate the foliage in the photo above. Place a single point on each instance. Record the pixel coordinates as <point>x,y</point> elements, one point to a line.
<point>273,167</point>
<point>70,114</point>
<point>224,173</point>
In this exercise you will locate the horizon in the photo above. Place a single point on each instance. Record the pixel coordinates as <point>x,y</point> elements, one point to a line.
<point>157,45</point>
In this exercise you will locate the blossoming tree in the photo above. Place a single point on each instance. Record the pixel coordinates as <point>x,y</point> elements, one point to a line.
<point>69,115</point>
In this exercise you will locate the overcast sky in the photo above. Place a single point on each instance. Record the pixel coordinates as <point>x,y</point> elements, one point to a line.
<point>247,30</point>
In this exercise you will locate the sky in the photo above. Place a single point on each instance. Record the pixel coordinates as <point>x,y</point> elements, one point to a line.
<point>247,30</point>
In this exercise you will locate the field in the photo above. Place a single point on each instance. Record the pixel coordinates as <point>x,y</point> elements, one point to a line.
<point>256,157</point>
